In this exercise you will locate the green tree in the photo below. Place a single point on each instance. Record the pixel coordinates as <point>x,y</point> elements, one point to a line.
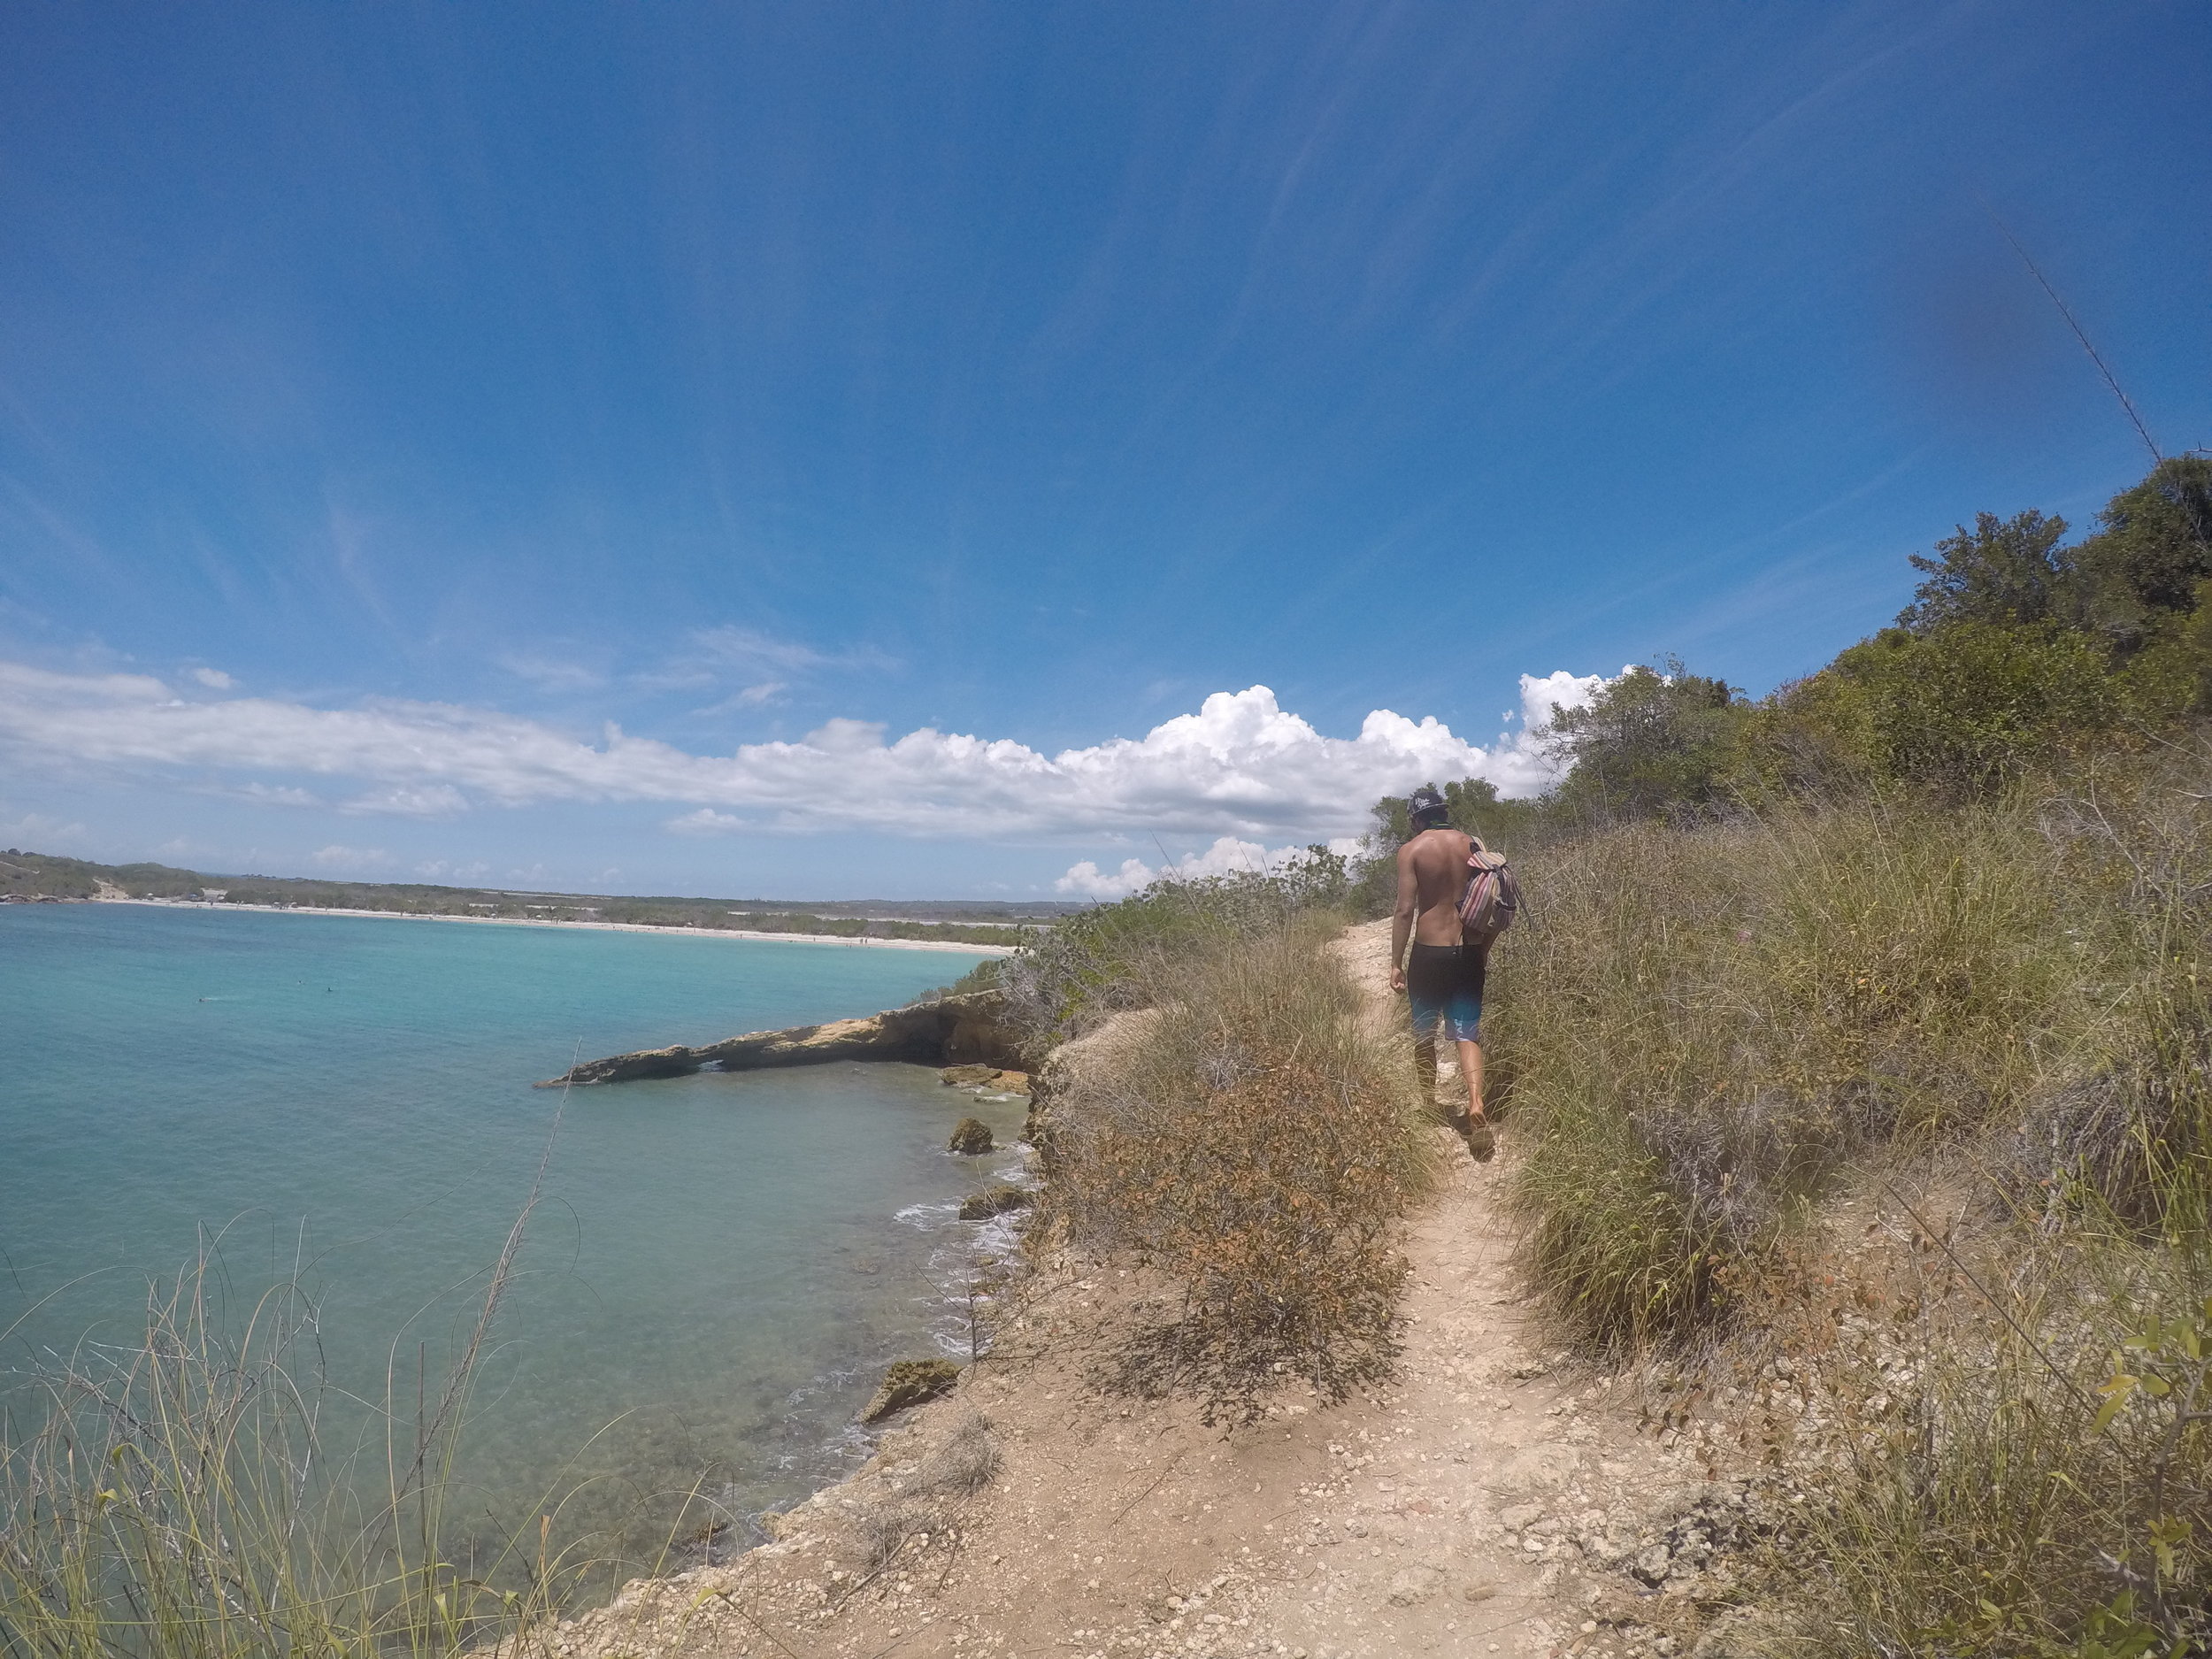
<point>2152,549</point>
<point>2001,571</point>
<point>1655,741</point>
<point>1476,809</point>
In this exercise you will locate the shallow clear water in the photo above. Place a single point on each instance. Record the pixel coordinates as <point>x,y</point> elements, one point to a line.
<point>720,1265</point>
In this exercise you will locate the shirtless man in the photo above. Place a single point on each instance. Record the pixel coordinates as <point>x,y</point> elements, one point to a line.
<point>1444,976</point>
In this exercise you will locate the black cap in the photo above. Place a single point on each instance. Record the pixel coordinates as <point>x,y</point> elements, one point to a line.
<point>1426,803</point>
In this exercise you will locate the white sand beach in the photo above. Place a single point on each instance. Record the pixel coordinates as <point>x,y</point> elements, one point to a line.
<point>605,927</point>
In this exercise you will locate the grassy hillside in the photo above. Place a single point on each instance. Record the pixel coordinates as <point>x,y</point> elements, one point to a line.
<point>1859,1045</point>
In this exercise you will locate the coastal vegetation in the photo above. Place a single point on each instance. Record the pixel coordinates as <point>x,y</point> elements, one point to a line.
<point>1251,1150</point>
<point>1862,1032</point>
<point>1856,1053</point>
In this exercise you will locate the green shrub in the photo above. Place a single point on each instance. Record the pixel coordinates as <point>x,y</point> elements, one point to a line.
<point>1105,960</point>
<point>1972,703</point>
<point>1656,741</point>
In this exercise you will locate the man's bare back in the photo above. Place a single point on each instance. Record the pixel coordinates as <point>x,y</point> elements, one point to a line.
<point>1434,865</point>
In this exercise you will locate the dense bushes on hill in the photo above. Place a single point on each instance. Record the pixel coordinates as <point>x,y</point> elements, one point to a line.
<point>2019,653</point>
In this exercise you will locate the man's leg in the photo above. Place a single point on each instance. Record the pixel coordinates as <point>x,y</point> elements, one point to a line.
<point>1427,1015</point>
<point>1481,1140</point>
<point>1470,1068</point>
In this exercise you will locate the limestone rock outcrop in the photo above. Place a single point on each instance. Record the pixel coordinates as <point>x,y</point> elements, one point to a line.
<point>1000,1198</point>
<point>909,1383</point>
<point>985,1079</point>
<point>967,1030</point>
<point>971,1138</point>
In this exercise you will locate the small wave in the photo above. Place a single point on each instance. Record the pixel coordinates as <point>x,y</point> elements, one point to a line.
<point>929,1217</point>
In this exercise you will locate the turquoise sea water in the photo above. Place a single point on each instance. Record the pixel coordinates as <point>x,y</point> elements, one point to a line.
<point>720,1265</point>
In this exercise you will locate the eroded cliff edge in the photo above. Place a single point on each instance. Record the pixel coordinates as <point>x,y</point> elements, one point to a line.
<point>963,1030</point>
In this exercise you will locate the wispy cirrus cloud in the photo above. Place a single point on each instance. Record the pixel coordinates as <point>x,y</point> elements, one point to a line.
<point>552,671</point>
<point>262,794</point>
<point>1240,765</point>
<point>437,800</point>
<point>710,657</point>
<point>764,667</point>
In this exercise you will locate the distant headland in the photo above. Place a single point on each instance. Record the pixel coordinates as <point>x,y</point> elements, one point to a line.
<point>950,923</point>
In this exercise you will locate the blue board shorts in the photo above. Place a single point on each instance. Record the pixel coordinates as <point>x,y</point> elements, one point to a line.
<point>1444,984</point>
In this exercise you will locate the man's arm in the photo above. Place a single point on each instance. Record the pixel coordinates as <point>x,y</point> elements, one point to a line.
<point>1402,918</point>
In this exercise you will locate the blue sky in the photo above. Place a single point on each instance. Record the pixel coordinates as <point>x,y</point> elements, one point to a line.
<point>582,446</point>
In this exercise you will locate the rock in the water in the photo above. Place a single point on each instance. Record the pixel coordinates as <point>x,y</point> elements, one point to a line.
<point>995,1201</point>
<point>971,1137</point>
<point>909,1383</point>
<point>969,1029</point>
<point>985,1079</point>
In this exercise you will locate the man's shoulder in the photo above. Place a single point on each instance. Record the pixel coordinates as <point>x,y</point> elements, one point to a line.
<point>1430,844</point>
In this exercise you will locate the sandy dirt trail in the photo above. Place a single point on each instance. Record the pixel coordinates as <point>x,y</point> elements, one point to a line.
<point>1490,1501</point>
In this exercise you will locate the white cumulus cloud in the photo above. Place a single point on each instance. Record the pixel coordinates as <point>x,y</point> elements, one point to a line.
<point>1228,855</point>
<point>1240,765</point>
<point>706,821</point>
<point>213,678</point>
<point>35,833</point>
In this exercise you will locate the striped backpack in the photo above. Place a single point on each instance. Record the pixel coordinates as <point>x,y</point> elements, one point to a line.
<point>1492,899</point>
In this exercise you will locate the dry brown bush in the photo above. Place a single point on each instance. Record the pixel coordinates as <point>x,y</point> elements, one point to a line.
<point>966,1462</point>
<point>1257,1147</point>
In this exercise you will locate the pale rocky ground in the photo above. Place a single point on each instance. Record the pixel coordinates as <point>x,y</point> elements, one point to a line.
<point>1496,1500</point>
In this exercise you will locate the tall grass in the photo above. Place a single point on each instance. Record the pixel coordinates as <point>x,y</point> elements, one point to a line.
<point>1108,960</point>
<point>207,1492</point>
<point>2023,1469</point>
<point>1713,1033</point>
<point>1256,1145</point>
<point>179,1497</point>
<point>1701,1026</point>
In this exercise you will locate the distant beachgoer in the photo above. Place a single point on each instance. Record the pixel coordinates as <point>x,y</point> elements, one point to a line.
<point>1444,976</point>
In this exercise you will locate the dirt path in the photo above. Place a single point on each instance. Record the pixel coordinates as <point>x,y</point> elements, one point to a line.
<point>1491,1502</point>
